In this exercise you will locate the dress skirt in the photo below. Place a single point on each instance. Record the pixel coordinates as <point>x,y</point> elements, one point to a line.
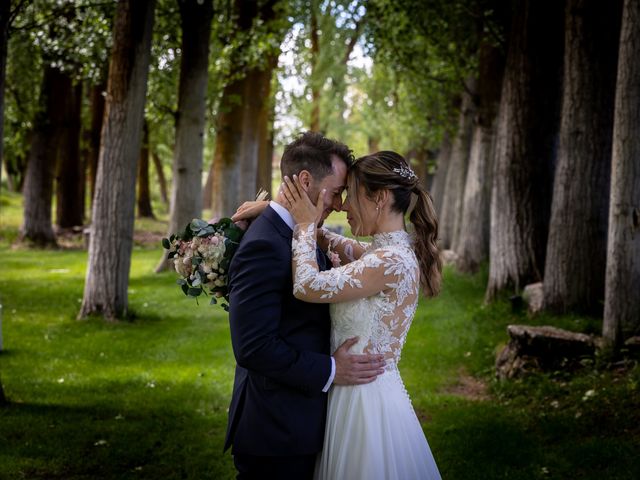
<point>373,433</point>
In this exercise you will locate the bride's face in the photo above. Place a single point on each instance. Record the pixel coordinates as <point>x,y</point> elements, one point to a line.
<point>361,212</point>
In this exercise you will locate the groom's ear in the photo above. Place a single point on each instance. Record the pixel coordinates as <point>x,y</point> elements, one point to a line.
<point>305,179</point>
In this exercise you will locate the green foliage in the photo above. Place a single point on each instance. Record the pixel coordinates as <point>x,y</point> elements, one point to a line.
<point>149,398</point>
<point>73,36</point>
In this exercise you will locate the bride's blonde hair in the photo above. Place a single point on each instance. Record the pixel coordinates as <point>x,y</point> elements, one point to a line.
<point>389,170</point>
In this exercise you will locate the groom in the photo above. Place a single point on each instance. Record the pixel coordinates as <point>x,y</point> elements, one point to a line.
<point>281,344</point>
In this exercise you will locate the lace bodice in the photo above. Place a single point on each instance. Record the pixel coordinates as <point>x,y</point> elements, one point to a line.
<point>374,296</point>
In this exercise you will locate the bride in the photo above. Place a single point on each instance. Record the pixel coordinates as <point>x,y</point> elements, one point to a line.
<point>372,431</point>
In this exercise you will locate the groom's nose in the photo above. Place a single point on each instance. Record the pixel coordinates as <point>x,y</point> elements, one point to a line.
<point>337,203</point>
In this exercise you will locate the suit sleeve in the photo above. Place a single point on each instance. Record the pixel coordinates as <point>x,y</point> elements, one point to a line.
<point>255,307</point>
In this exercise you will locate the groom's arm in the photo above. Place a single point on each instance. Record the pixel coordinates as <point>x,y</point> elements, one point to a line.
<point>254,316</point>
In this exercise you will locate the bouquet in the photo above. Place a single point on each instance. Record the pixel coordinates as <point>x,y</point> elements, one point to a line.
<point>202,254</point>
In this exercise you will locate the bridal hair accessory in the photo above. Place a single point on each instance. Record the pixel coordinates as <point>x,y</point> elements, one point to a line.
<point>406,173</point>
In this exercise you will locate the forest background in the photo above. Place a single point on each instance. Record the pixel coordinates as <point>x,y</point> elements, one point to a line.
<point>122,121</point>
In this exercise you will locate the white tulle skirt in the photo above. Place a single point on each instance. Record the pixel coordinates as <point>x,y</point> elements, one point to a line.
<point>372,433</point>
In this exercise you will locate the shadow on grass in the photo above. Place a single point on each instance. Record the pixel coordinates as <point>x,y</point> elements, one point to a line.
<point>74,442</point>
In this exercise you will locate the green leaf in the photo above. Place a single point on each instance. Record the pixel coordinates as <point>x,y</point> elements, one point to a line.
<point>196,260</point>
<point>166,244</point>
<point>213,301</point>
<point>181,281</point>
<point>194,292</point>
<point>172,237</point>
<point>185,288</point>
<point>197,224</point>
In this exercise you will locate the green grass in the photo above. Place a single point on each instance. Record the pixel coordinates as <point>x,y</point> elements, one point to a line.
<point>148,398</point>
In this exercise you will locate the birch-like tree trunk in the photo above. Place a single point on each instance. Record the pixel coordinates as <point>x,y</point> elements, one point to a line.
<point>440,176</point>
<point>111,238</point>
<point>451,213</point>
<point>97,100</point>
<point>622,301</point>
<point>527,132</point>
<point>186,186</point>
<point>473,246</point>
<point>577,246</point>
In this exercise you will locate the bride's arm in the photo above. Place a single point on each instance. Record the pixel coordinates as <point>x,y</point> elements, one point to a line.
<point>348,249</point>
<point>359,279</point>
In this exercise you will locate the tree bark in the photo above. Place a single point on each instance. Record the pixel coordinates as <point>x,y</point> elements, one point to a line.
<point>111,238</point>
<point>622,302</point>
<point>144,194</point>
<point>97,101</point>
<point>440,176</point>
<point>226,160</point>
<point>266,135</point>
<point>574,277</point>
<point>162,180</point>
<point>38,188</point>
<point>186,187</point>
<point>526,140</point>
<point>473,247</point>
<point>70,172</point>
<point>314,125</point>
<point>453,196</point>
<point>5,14</point>
<point>235,162</point>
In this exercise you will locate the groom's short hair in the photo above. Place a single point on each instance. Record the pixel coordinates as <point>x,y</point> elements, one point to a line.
<point>312,151</point>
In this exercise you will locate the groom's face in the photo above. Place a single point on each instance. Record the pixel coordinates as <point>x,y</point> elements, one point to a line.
<point>334,183</point>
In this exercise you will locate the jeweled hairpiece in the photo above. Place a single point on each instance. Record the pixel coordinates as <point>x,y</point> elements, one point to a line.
<point>406,173</point>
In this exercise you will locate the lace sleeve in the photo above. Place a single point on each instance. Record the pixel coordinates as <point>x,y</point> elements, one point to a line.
<point>348,249</point>
<point>372,273</point>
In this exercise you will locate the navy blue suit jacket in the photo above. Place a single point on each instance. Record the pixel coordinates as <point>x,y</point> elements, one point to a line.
<point>281,346</point>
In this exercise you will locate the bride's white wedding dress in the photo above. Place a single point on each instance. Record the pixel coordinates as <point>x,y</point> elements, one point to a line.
<point>372,431</point>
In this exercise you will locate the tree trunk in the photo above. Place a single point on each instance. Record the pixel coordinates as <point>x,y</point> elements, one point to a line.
<point>4,40</point>
<point>38,188</point>
<point>226,160</point>
<point>526,140</point>
<point>315,60</point>
<point>235,163</point>
<point>162,180</point>
<point>111,238</point>
<point>186,187</point>
<point>440,176</point>
<point>451,213</point>
<point>574,277</point>
<point>622,302</point>
<point>70,171</point>
<point>144,195</point>
<point>97,101</point>
<point>265,129</point>
<point>473,247</point>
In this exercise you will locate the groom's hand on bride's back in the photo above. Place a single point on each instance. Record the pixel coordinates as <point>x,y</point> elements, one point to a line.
<point>356,369</point>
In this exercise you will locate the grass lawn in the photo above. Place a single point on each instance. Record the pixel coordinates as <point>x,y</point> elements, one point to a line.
<point>148,398</point>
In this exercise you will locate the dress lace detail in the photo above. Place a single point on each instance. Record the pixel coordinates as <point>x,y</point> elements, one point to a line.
<point>374,297</point>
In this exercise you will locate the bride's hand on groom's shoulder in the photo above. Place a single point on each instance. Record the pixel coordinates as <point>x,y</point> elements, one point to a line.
<point>249,210</point>
<point>356,369</point>
<point>298,203</point>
